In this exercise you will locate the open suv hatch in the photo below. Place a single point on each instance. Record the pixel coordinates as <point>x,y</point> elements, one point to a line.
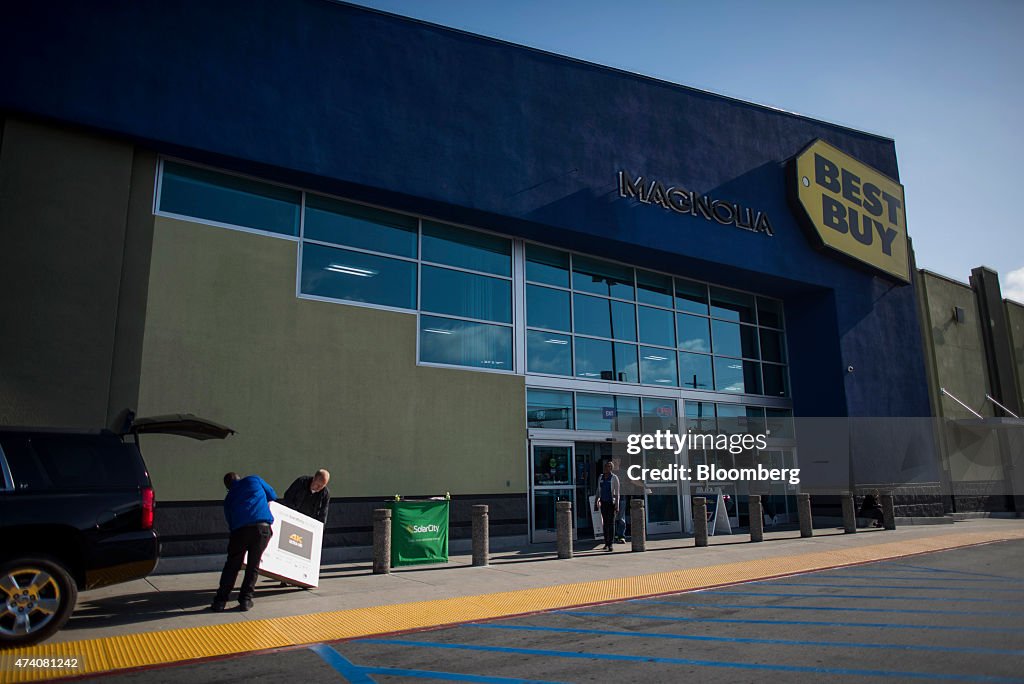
<point>76,513</point>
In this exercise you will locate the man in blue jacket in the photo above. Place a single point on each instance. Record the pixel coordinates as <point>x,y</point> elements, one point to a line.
<point>247,509</point>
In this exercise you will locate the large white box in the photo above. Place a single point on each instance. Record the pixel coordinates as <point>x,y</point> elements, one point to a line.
<point>293,554</point>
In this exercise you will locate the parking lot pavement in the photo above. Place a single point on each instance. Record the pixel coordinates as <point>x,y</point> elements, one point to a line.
<point>954,615</point>
<point>166,622</point>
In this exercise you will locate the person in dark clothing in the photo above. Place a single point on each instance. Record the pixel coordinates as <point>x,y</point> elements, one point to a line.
<point>869,508</point>
<point>607,501</point>
<point>247,510</point>
<point>309,495</point>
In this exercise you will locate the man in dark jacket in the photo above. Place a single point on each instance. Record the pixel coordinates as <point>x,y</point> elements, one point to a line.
<point>247,509</point>
<point>309,495</point>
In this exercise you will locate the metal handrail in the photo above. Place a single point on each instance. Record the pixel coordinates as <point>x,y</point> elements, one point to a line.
<point>950,395</point>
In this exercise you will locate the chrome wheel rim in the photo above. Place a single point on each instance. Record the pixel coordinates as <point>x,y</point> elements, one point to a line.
<point>31,598</point>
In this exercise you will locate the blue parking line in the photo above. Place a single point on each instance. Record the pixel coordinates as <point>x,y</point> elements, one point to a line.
<point>358,674</point>
<point>921,568</point>
<point>913,579</point>
<point>345,667</point>
<point>690,661</point>
<point>751,640</point>
<point>847,609</point>
<point>888,586</point>
<point>451,676</point>
<point>871,597</point>
<point>804,623</point>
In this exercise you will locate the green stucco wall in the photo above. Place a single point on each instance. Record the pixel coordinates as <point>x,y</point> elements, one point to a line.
<point>308,384</point>
<point>957,357</point>
<point>1015,322</point>
<point>64,213</point>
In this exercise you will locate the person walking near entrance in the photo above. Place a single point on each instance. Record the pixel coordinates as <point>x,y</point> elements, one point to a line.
<point>247,509</point>
<point>607,502</point>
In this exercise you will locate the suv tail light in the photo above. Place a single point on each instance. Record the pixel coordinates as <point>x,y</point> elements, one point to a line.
<point>148,503</point>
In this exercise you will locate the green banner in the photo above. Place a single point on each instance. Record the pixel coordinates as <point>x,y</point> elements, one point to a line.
<point>419,532</point>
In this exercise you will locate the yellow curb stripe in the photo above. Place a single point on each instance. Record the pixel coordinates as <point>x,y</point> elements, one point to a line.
<point>178,645</point>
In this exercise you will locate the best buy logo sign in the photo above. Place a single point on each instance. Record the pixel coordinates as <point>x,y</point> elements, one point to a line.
<point>422,529</point>
<point>854,209</point>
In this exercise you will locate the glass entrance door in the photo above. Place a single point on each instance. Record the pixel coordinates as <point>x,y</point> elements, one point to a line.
<point>553,479</point>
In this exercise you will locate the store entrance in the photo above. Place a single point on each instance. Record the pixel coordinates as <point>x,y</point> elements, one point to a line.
<point>590,457</point>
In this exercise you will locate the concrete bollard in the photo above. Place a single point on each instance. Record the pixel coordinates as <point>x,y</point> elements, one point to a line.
<point>563,519</point>
<point>756,515</point>
<point>803,503</point>
<point>638,515</point>
<point>481,534</point>
<point>849,514</point>
<point>381,541</point>
<point>700,521</point>
<point>889,511</point>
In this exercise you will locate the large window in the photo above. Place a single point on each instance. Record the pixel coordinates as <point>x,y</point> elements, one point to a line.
<point>484,301</point>
<point>614,322</point>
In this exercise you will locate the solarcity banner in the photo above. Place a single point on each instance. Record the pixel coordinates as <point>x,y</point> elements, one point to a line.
<point>852,208</point>
<point>419,532</point>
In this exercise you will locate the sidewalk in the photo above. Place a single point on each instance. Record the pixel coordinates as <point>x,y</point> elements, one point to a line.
<point>353,602</point>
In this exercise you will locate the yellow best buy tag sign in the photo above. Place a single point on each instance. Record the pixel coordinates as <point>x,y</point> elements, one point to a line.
<point>854,208</point>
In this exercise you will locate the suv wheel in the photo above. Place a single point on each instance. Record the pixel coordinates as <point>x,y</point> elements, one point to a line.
<point>38,596</point>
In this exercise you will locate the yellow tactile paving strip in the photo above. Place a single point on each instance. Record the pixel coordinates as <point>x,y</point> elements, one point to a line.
<point>159,648</point>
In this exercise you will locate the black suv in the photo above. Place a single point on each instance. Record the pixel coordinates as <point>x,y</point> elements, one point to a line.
<point>76,512</point>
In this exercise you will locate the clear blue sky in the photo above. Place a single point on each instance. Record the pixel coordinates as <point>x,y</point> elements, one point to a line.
<point>943,78</point>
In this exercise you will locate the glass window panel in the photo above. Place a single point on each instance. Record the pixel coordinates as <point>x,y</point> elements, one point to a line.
<point>548,353</point>
<point>780,422</point>
<point>769,312</point>
<point>775,384</point>
<point>358,277</point>
<point>604,317</point>
<point>733,339</point>
<point>659,414</point>
<point>593,359</point>
<point>545,265</point>
<point>603,360</point>
<point>654,288</point>
<point>700,416</point>
<point>695,371</point>
<point>331,220</point>
<point>607,412</point>
<point>205,194</point>
<point>657,366</point>
<point>656,326</point>
<point>736,418</point>
<point>549,409</point>
<point>463,343</point>
<point>454,246</point>
<point>602,277</point>
<point>592,315</point>
<point>547,308</point>
<point>732,305</point>
<point>466,294</point>
<point>662,506</point>
<point>552,465</point>
<point>694,333</point>
<point>691,296</point>
<point>595,411</point>
<point>773,346</point>
<point>626,369</point>
<point>624,321</point>
<point>733,375</point>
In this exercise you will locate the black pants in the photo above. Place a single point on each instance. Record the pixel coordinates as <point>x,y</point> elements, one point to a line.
<point>608,518</point>
<point>251,539</point>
